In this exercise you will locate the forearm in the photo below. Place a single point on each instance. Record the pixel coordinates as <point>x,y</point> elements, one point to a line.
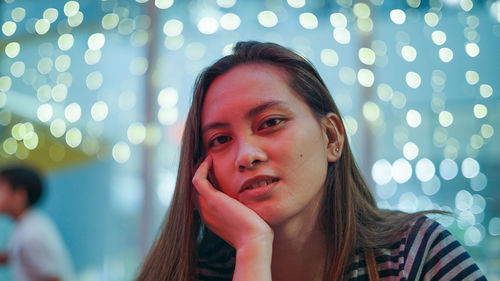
<point>253,262</point>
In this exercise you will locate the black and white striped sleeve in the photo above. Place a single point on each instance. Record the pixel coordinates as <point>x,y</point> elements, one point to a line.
<point>432,253</point>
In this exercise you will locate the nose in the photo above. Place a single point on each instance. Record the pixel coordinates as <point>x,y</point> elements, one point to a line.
<point>249,156</point>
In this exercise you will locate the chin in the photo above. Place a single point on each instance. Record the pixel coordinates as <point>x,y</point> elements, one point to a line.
<point>270,215</point>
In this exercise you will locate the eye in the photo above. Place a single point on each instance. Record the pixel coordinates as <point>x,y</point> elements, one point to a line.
<point>219,140</point>
<point>271,123</point>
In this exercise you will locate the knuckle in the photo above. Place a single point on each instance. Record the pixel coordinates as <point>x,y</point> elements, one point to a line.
<point>195,181</point>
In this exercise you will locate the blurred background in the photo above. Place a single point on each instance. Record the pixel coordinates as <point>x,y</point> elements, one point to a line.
<point>95,93</point>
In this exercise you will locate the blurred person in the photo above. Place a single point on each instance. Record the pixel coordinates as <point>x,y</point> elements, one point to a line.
<point>268,189</point>
<point>35,249</point>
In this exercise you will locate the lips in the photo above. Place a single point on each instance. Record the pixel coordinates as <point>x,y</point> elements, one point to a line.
<point>257,182</point>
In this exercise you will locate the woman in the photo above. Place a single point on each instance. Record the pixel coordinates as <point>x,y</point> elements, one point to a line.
<point>278,194</point>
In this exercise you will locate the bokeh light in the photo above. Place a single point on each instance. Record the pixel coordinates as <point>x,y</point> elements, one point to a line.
<point>401,170</point>
<point>480,111</point>
<point>410,150</point>
<point>110,21</point>
<point>9,28</point>
<point>431,186</point>
<point>366,77</point>
<point>494,226</point>
<point>208,25</point>
<point>73,112</point>
<point>472,49</point>
<point>438,37</point>
<point>65,42</point>
<point>338,20</point>
<point>168,97</point>
<point>308,20</point>
<point>342,35</point>
<point>366,56</point>
<point>121,152</point>
<point>485,90</point>
<point>267,18</point>
<point>329,57</point>
<point>18,14</point>
<point>230,21</point>
<point>413,118</point>
<point>99,111</point>
<point>382,172</point>
<point>226,3</point>
<point>71,8</point>
<point>387,190</point>
<point>73,137</point>
<point>413,80</point>
<point>45,112</point>
<point>431,19</point>
<point>96,41</point>
<point>12,49</point>
<point>59,92</point>
<point>398,16</point>
<point>385,92</point>
<point>371,111</point>
<point>409,53</point>
<point>136,133</point>
<point>448,169</point>
<point>445,54</point>
<point>470,168</point>
<point>445,118</point>
<point>472,77</point>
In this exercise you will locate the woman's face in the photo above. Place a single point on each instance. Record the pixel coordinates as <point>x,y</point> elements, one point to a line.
<point>269,151</point>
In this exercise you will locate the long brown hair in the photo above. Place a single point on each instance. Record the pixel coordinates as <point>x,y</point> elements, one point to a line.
<point>349,216</point>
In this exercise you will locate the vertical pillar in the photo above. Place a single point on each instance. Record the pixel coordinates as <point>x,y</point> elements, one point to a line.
<point>148,161</point>
<point>367,95</point>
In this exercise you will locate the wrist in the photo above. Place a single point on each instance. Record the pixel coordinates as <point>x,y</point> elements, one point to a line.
<point>253,243</point>
<point>258,247</point>
<point>253,261</point>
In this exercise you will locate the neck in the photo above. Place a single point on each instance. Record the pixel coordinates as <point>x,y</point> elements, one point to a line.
<point>299,251</point>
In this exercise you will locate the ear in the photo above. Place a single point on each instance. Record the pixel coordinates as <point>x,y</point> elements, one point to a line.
<point>335,136</point>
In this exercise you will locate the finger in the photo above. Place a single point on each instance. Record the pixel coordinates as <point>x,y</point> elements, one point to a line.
<point>195,195</point>
<point>200,179</point>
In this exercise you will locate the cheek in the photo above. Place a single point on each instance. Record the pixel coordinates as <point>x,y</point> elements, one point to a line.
<point>220,173</point>
<point>304,154</point>
<point>299,146</point>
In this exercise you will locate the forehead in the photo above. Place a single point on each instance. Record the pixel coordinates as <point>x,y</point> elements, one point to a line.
<point>245,86</point>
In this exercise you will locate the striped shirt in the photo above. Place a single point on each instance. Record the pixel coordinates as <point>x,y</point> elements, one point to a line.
<point>426,251</point>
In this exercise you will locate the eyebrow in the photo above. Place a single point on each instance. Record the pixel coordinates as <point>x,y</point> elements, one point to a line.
<point>249,115</point>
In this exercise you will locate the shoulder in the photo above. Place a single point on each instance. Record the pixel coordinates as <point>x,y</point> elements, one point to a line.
<point>37,233</point>
<point>36,224</point>
<point>431,252</point>
<point>426,251</point>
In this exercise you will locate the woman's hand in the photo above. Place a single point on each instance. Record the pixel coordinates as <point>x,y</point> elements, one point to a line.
<point>238,225</point>
<point>234,222</point>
